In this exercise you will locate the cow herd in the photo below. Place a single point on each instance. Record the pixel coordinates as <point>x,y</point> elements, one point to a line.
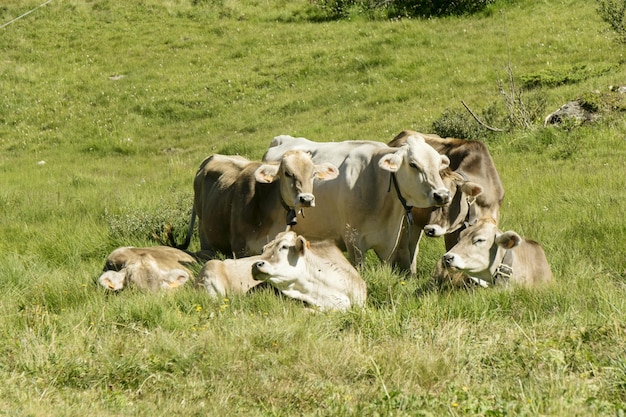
<point>288,220</point>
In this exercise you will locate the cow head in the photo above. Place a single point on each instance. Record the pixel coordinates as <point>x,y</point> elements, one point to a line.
<point>417,167</point>
<point>296,172</point>
<point>479,247</point>
<point>448,218</point>
<point>279,262</point>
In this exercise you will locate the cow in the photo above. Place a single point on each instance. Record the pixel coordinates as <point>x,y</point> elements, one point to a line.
<point>151,268</point>
<point>241,205</point>
<point>221,278</point>
<point>480,194</point>
<point>363,208</point>
<point>492,257</point>
<point>317,273</point>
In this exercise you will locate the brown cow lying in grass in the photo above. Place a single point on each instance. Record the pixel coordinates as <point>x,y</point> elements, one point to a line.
<point>153,268</point>
<point>489,256</point>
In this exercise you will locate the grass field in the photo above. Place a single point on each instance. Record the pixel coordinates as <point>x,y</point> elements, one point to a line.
<point>108,108</point>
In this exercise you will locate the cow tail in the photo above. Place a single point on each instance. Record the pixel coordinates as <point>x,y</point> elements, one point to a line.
<point>192,222</point>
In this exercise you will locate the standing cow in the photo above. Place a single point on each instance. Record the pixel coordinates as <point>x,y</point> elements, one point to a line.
<point>241,205</point>
<point>492,257</point>
<point>481,197</point>
<point>363,208</point>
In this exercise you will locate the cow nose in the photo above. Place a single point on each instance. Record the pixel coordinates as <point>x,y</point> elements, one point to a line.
<point>430,231</point>
<point>441,197</point>
<point>307,200</point>
<point>447,259</point>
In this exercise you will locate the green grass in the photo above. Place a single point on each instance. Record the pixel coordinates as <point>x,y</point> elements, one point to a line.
<point>122,102</point>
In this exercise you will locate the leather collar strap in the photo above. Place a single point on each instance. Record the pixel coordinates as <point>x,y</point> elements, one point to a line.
<point>292,216</point>
<point>407,209</point>
<point>505,269</point>
<point>472,217</point>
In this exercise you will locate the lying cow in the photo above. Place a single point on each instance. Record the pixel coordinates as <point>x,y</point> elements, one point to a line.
<point>221,278</point>
<point>363,208</point>
<point>479,194</point>
<point>153,268</point>
<point>492,257</point>
<point>241,205</point>
<point>316,273</point>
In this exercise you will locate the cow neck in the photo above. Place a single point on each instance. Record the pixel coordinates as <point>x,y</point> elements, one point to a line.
<point>472,216</point>
<point>292,216</point>
<point>504,271</point>
<point>407,209</point>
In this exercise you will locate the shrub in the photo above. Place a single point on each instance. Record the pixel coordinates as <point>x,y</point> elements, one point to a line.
<point>613,12</point>
<point>402,8</point>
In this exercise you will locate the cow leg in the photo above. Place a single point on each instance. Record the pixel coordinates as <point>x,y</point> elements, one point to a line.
<point>414,249</point>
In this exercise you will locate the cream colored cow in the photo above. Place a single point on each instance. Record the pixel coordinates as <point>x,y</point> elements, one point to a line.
<point>492,257</point>
<point>152,268</point>
<point>317,273</point>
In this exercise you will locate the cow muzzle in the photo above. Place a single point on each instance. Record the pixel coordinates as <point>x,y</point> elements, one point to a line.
<point>441,197</point>
<point>434,230</point>
<point>261,270</point>
<point>305,200</point>
<point>448,260</point>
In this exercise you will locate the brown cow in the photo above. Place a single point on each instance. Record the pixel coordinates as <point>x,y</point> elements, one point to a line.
<point>472,161</point>
<point>241,205</point>
<point>492,257</point>
<point>153,268</point>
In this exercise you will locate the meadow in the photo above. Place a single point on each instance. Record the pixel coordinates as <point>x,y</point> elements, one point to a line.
<point>108,107</point>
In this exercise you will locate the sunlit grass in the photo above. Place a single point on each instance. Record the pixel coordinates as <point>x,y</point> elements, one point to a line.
<point>107,110</point>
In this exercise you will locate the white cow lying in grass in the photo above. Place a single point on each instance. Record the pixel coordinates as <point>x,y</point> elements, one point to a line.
<point>316,273</point>
<point>490,256</point>
<point>153,268</point>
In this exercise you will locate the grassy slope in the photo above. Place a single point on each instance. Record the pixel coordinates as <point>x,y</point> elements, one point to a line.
<point>121,152</point>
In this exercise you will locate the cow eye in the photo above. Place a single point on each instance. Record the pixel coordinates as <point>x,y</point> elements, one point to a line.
<point>284,247</point>
<point>413,165</point>
<point>479,240</point>
<point>288,174</point>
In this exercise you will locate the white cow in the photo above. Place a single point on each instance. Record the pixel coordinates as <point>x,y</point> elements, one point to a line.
<point>490,256</point>
<point>153,268</point>
<point>365,206</point>
<point>316,273</point>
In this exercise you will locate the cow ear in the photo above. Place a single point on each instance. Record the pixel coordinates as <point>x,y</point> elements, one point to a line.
<point>174,279</point>
<point>445,162</point>
<point>391,162</point>
<point>266,173</point>
<point>113,280</point>
<point>508,240</point>
<point>302,245</point>
<point>471,188</point>
<point>326,171</point>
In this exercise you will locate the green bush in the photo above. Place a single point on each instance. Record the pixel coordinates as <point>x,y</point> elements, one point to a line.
<point>613,12</point>
<point>402,8</point>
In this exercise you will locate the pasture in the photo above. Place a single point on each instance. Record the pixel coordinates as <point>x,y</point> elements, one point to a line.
<point>107,109</point>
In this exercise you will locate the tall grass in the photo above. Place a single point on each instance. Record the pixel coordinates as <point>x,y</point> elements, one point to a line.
<point>107,110</point>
